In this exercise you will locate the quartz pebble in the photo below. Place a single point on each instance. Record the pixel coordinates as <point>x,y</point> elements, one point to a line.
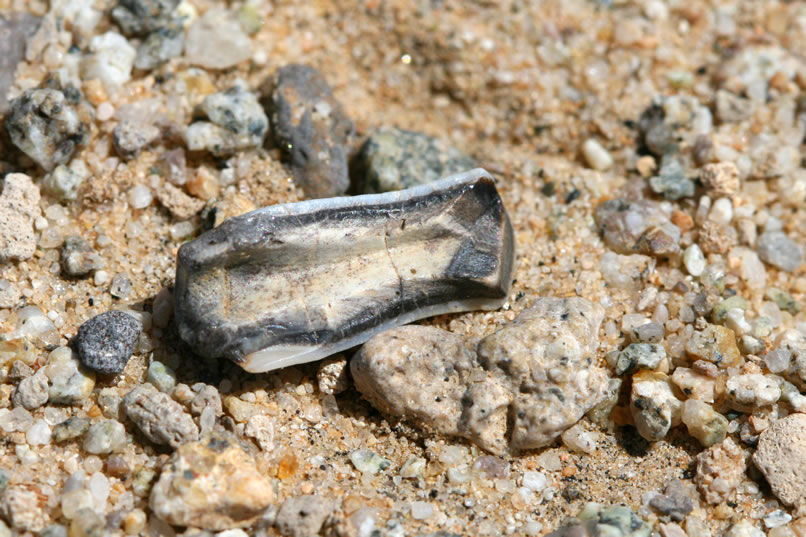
<point>106,342</point>
<point>781,457</point>
<point>311,128</point>
<point>70,382</point>
<point>46,125</point>
<point>161,376</point>
<point>105,437</point>
<point>19,207</point>
<point>9,293</point>
<point>38,434</point>
<point>653,405</point>
<point>750,391</point>
<point>303,516</point>
<point>211,484</point>
<point>775,248</point>
<point>694,260</point>
<point>139,197</point>
<point>216,41</point>
<point>368,462</point>
<point>64,182</point>
<point>70,428</point>
<point>394,159</point>
<point>596,156</point>
<point>703,422</point>
<point>110,60</point>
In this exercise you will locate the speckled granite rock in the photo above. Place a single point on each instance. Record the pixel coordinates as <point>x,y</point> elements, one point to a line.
<point>44,123</point>
<point>781,457</point>
<point>394,159</point>
<point>311,128</point>
<point>106,342</point>
<point>596,520</point>
<point>211,484</point>
<point>538,368</point>
<point>236,122</point>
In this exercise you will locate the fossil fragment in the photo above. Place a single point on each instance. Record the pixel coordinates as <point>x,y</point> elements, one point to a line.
<point>294,283</point>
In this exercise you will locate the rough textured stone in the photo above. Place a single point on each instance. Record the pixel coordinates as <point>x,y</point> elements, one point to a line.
<point>211,484</point>
<point>160,418</point>
<point>178,203</point>
<point>538,368</point>
<point>313,290</point>
<point>781,457</point>
<point>311,128</point>
<point>19,207</point>
<point>31,392</point>
<point>394,159</point>
<point>130,137</point>
<point>45,124</point>
<point>20,506</point>
<point>106,342</point>
<point>720,469</point>
<point>721,179</point>
<point>303,516</point>
<point>333,376</point>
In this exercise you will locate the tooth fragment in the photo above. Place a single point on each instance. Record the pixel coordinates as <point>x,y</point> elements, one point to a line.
<point>294,283</point>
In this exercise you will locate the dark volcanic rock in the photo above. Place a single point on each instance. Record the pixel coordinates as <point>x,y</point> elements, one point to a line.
<point>311,128</point>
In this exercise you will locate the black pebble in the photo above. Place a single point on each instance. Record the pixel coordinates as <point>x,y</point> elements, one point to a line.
<point>105,342</point>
